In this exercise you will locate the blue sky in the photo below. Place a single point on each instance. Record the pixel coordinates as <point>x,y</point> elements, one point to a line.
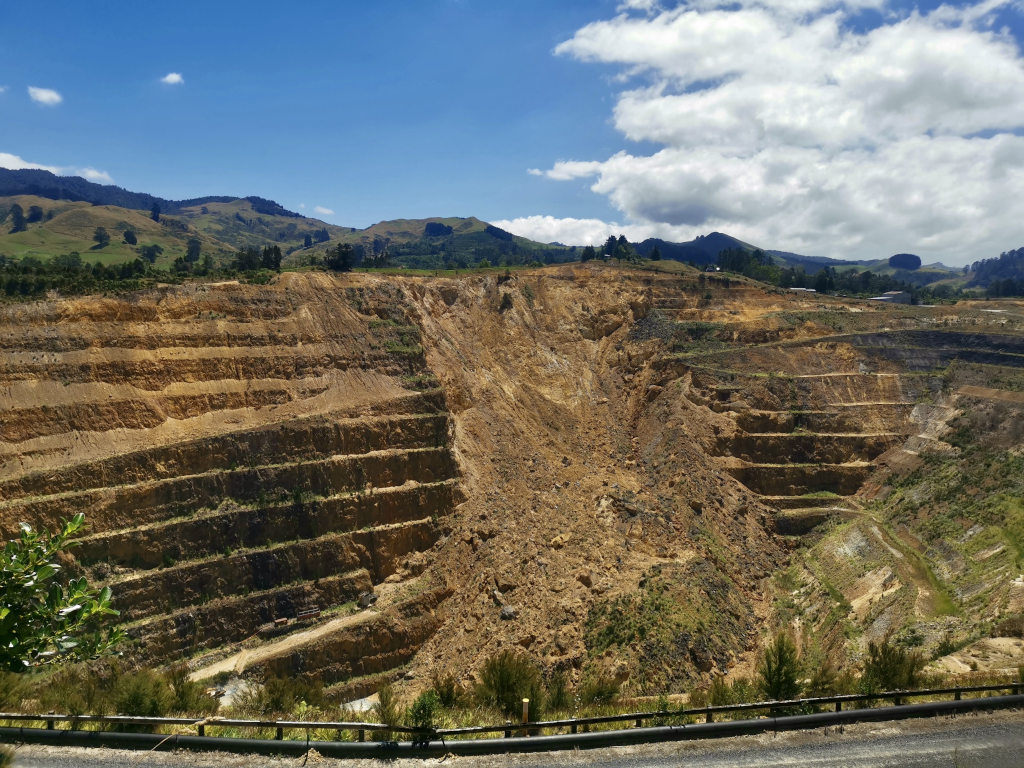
<point>374,110</point>
<point>851,128</point>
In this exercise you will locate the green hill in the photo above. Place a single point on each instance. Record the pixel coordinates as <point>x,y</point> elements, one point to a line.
<point>69,226</point>
<point>222,228</point>
<point>441,242</point>
<point>927,274</point>
<point>701,250</point>
<point>68,211</point>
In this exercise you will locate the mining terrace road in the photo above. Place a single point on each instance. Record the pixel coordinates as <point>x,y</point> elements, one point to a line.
<point>237,662</point>
<point>987,393</point>
<point>971,741</point>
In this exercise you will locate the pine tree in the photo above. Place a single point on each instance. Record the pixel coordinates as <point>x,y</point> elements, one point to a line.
<point>340,259</point>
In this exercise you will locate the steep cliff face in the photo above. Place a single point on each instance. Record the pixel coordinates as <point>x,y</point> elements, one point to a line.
<point>631,470</point>
<point>582,476</point>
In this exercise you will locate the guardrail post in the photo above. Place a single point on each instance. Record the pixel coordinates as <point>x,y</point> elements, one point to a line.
<point>362,734</point>
<point>202,729</point>
<point>508,729</point>
<point>896,701</point>
<point>574,728</point>
<point>49,724</point>
<point>280,733</point>
<point>956,695</point>
<point>710,716</point>
<point>839,706</point>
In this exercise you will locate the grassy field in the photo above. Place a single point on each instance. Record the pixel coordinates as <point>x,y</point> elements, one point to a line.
<point>70,226</point>
<point>221,228</point>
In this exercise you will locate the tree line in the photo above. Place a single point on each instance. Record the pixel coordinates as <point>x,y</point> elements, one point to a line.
<point>69,274</point>
<point>761,266</point>
<point>1001,276</point>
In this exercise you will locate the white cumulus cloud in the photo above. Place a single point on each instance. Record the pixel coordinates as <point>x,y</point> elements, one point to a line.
<point>173,78</point>
<point>322,211</point>
<point>16,163</point>
<point>100,177</point>
<point>570,231</point>
<point>45,96</point>
<point>787,124</point>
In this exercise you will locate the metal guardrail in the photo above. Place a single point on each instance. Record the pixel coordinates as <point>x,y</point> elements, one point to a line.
<point>200,724</point>
<point>425,747</point>
<point>709,712</point>
<point>773,708</point>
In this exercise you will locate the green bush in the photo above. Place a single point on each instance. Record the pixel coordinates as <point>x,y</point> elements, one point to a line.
<point>386,710</point>
<point>450,693</point>
<point>423,710</point>
<point>891,667</point>
<point>143,694</point>
<point>75,690</point>
<point>824,680</point>
<point>285,693</point>
<point>740,691</point>
<point>559,694</point>
<point>508,678</point>
<point>189,697</point>
<point>13,689</point>
<point>720,692</point>
<point>598,688</point>
<point>662,705</point>
<point>698,699</point>
<point>249,701</point>
<point>528,294</point>
<point>779,670</point>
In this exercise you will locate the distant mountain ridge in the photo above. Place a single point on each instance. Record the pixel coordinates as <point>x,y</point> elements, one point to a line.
<point>236,222</point>
<point>223,225</point>
<point>701,250</point>
<point>75,188</point>
<point>704,250</point>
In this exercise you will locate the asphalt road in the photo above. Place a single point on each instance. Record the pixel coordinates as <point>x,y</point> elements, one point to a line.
<point>986,741</point>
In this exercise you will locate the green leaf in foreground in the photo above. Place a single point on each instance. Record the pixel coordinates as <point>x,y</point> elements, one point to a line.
<point>41,620</point>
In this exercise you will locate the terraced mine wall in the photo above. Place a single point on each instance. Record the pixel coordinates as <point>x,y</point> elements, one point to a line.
<point>601,475</point>
<point>810,426</point>
<point>243,454</point>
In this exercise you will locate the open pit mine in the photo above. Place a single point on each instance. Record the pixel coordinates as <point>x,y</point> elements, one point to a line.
<point>368,478</point>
